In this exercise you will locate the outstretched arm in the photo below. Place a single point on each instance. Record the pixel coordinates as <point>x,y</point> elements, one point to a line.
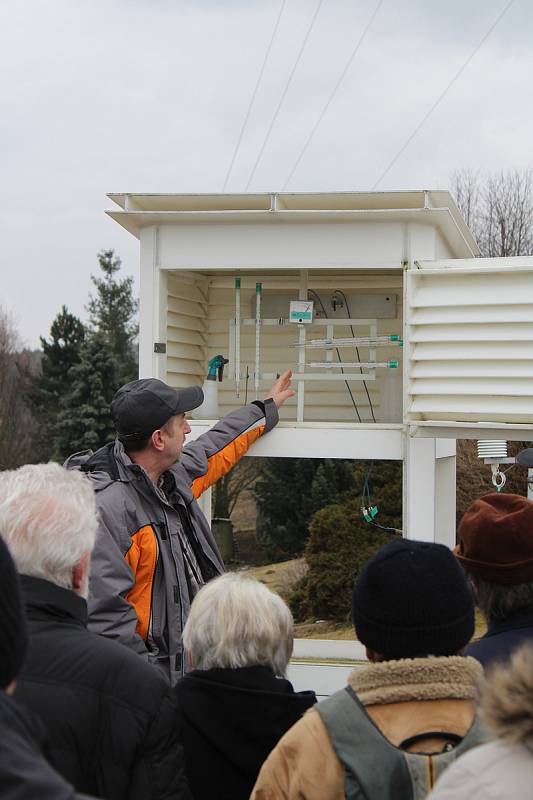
<point>215,452</point>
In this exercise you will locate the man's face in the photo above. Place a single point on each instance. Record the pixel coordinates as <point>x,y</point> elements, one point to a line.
<point>175,433</point>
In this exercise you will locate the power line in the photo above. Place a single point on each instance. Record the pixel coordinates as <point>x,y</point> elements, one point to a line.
<point>443,94</point>
<point>252,100</point>
<point>285,90</point>
<point>333,93</point>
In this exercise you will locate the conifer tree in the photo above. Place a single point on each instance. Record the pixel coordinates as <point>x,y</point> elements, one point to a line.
<point>84,421</point>
<point>60,352</point>
<point>341,540</point>
<point>112,314</point>
<point>288,492</point>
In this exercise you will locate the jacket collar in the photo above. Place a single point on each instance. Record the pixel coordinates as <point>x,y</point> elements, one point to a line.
<point>523,619</point>
<point>433,678</point>
<point>253,678</point>
<point>45,600</point>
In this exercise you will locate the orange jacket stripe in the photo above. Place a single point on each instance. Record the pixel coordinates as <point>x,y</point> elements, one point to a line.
<point>142,558</point>
<point>220,463</point>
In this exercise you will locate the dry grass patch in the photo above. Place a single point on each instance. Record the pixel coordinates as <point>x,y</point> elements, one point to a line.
<point>283,578</point>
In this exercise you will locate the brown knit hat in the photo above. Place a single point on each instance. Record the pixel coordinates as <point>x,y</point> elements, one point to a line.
<point>496,539</point>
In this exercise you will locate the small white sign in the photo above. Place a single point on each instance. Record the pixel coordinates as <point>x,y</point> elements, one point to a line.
<point>301,311</point>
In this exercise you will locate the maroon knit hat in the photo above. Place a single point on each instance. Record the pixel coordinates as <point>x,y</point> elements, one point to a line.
<point>496,539</point>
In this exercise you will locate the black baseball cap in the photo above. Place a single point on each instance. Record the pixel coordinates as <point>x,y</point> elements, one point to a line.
<point>140,407</point>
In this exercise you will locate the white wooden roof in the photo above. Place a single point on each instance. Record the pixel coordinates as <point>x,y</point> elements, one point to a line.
<point>434,207</point>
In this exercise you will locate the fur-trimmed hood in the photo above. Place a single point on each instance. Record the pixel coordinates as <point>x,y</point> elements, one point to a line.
<point>507,700</point>
<point>434,678</point>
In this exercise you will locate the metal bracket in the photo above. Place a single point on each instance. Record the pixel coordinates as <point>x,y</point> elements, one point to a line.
<point>160,347</point>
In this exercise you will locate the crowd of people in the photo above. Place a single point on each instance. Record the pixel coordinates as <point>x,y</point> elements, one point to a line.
<point>133,668</point>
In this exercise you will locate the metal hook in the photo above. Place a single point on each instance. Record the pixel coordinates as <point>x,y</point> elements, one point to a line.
<point>498,478</point>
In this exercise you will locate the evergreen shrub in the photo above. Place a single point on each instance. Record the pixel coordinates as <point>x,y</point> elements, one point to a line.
<point>339,544</point>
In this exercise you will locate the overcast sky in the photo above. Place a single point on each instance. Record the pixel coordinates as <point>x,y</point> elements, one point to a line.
<point>105,96</point>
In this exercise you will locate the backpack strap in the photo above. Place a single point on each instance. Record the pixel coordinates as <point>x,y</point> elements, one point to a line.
<point>360,746</point>
<point>426,769</point>
<point>374,768</point>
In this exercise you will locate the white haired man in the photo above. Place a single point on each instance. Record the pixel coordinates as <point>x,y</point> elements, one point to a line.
<point>154,547</point>
<point>24,773</point>
<point>111,721</point>
<point>236,704</point>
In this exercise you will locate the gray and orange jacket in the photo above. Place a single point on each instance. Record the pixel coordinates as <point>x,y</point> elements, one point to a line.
<point>138,591</point>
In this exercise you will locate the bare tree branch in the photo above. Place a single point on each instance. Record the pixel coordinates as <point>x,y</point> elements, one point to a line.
<point>15,418</point>
<point>498,208</point>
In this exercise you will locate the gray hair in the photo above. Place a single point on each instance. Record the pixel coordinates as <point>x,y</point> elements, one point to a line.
<point>497,601</point>
<point>235,621</point>
<point>47,519</point>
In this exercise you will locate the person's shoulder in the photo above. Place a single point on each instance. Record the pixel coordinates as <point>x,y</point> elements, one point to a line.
<point>309,726</point>
<point>496,647</point>
<point>476,773</point>
<point>118,673</point>
<point>12,715</point>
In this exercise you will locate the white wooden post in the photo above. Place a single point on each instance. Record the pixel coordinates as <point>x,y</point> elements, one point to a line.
<point>429,490</point>
<point>153,307</point>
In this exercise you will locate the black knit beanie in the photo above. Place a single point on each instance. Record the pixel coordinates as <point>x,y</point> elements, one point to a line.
<point>13,633</point>
<point>412,599</point>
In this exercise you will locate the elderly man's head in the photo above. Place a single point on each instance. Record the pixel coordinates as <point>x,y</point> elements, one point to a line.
<point>48,519</point>
<point>235,621</point>
<point>496,551</point>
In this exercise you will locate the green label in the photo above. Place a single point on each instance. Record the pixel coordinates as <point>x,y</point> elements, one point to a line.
<point>301,316</point>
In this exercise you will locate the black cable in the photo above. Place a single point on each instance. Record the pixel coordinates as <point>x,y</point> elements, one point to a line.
<point>312,291</point>
<point>368,503</point>
<point>348,314</point>
<point>246,386</point>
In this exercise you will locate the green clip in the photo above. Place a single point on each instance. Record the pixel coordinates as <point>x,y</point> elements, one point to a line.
<point>370,513</point>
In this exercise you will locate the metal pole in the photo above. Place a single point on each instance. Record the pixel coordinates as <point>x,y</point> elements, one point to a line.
<point>237,336</point>
<point>258,289</point>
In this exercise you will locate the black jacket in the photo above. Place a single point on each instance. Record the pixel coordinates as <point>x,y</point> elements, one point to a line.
<point>232,718</point>
<point>112,722</point>
<point>502,638</point>
<point>24,773</point>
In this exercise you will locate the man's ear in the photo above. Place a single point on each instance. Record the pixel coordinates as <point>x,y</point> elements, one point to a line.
<point>372,655</point>
<point>158,441</point>
<point>80,573</point>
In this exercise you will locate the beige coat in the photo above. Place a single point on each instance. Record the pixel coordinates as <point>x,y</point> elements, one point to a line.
<point>503,768</point>
<point>403,698</point>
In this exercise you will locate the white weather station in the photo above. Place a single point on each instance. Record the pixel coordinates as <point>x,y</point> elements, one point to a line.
<point>400,337</point>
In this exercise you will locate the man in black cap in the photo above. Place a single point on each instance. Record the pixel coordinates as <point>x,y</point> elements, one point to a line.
<point>154,547</point>
<point>24,773</point>
<point>402,719</point>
